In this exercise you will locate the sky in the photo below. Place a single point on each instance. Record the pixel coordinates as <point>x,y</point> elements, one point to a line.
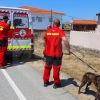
<point>73,9</point>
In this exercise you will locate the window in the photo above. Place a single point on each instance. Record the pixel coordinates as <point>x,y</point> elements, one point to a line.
<point>89,26</point>
<point>76,26</point>
<point>21,20</point>
<point>50,19</point>
<point>39,19</point>
<point>82,27</point>
<point>33,19</point>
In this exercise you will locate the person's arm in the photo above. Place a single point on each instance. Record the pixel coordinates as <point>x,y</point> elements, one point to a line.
<point>67,44</point>
<point>44,43</point>
<point>63,37</point>
<point>9,30</point>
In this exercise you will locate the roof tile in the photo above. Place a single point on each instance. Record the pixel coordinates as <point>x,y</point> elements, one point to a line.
<point>89,22</point>
<point>38,10</point>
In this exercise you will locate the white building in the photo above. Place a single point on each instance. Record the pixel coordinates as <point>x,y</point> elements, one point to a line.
<point>41,18</point>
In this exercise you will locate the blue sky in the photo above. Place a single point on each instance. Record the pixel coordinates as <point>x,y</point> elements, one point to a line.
<point>84,9</point>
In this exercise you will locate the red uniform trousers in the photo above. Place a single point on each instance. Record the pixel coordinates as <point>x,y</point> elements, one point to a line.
<point>47,70</point>
<point>56,65</point>
<point>2,55</point>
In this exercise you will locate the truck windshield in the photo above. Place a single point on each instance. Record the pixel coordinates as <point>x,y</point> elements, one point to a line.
<point>20,20</point>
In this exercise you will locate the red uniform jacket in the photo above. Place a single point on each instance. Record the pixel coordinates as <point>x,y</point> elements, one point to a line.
<point>4,28</point>
<point>53,41</point>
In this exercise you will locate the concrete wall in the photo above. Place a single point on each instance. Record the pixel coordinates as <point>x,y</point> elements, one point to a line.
<point>89,40</point>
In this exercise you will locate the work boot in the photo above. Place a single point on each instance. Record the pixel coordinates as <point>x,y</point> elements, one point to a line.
<point>46,84</point>
<point>57,85</point>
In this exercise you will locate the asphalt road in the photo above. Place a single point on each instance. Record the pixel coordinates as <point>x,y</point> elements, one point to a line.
<point>22,82</point>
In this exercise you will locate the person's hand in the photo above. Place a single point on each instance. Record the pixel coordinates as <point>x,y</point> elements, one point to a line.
<point>70,52</point>
<point>44,53</point>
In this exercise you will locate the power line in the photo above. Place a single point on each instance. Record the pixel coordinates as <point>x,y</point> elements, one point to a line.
<point>75,17</point>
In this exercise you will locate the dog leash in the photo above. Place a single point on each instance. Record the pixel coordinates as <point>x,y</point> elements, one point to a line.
<point>84,62</point>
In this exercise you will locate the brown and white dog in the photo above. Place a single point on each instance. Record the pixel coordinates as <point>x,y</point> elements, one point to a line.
<point>89,78</point>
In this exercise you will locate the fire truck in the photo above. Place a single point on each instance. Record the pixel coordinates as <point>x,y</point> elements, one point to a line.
<point>21,41</point>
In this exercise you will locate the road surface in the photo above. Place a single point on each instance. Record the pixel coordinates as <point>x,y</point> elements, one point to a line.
<point>23,82</point>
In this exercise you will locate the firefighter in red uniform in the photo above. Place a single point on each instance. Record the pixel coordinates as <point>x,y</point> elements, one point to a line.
<point>49,27</point>
<point>4,29</point>
<point>53,50</point>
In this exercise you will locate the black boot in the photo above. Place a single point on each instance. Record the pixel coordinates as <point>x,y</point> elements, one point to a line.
<point>57,85</point>
<point>46,84</point>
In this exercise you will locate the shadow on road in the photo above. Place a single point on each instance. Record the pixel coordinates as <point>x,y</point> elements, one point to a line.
<point>66,82</point>
<point>14,61</point>
<point>91,92</point>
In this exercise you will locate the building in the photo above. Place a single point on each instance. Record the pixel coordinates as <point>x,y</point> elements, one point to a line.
<point>66,26</point>
<point>84,25</point>
<point>41,18</point>
<point>98,27</point>
<point>88,41</point>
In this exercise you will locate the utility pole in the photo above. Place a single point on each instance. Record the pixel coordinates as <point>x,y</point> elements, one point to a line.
<point>51,17</point>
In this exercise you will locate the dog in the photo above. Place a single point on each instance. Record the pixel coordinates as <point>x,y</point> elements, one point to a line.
<point>89,78</point>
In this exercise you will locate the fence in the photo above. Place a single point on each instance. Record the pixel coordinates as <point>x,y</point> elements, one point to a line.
<point>87,42</point>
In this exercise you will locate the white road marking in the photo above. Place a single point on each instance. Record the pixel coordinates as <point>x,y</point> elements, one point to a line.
<point>15,88</point>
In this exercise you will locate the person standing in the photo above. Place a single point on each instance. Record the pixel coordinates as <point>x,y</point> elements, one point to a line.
<point>53,51</point>
<point>4,29</point>
<point>49,27</point>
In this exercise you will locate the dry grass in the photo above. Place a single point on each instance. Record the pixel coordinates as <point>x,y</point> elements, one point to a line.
<point>70,64</point>
<point>76,68</point>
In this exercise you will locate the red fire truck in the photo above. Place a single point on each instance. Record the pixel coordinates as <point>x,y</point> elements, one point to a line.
<point>21,42</point>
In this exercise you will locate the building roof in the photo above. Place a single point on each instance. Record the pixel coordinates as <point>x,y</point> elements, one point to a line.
<point>14,8</point>
<point>38,10</point>
<point>88,22</point>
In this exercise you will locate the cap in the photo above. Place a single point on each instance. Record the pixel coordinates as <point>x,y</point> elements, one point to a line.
<point>5,17</point>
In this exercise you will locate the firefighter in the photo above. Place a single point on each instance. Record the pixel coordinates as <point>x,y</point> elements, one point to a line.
<point>53,50</point>
<point>49,27</point>
<point>4,29</point>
